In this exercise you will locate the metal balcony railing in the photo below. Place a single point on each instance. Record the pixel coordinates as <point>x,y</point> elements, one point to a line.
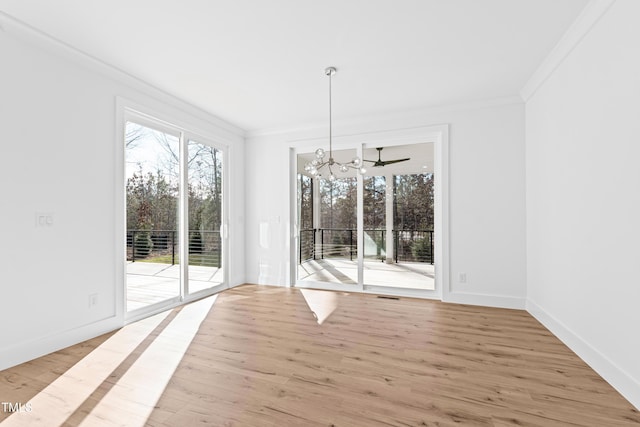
<point>413,245</point>
<point>408,245</point>
<point>205,247</point>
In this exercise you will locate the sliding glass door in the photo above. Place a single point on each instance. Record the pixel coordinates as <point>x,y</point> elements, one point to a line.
<point>152,186</point>
<point>205,201</point>
<point>175,216</point>
<point>374,230</point>
<point>327,218</point>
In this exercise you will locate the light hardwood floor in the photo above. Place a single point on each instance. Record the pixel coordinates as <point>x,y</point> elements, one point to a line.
<point>267,356</point>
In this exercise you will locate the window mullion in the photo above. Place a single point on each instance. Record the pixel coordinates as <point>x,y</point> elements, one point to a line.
<point>184,217</point>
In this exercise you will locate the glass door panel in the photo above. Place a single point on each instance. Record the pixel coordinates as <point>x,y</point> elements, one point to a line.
<point>374,225</point>
<point>152,196</point>
<point>306,228</point>
<point>398,217</point>
<point>205,213</point>
<point>327,223</point>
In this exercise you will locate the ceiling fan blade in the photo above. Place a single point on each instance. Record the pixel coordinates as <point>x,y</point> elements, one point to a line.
<point>380,163</point>
<point>390,162</point>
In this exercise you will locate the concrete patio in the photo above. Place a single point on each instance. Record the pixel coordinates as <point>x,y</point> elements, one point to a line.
<point>407,275</point>
<point>150,282</point>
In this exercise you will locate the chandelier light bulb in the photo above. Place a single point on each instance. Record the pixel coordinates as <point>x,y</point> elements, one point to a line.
<point>332,177</point>
<point>363,171</point>
<point>320,153</point>
<point>356,162</point>
<point>344,168</point>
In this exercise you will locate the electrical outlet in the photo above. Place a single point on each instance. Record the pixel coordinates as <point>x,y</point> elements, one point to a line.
<point>462,277</point>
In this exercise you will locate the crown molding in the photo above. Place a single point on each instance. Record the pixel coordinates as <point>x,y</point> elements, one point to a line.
<point>358,121</point>
<point>590,15</point>
<point>12,27</point>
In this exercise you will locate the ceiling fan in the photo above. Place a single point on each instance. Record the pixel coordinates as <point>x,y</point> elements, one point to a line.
<point>381,163</point>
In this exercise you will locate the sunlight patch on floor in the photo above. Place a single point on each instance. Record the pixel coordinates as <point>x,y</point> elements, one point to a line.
<point>321,303</point>
<point>53,405</point>
<point>140,388</point>
<point>131,400</point>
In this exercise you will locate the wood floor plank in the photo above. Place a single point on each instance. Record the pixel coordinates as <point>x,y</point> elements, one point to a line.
<point>266,356</point>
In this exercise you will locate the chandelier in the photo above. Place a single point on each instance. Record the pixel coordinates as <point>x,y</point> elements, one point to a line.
<point>320,164</point>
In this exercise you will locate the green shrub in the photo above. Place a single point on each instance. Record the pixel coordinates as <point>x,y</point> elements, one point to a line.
<point>196,245</point>
<point>143,244</point>
<point>421,249</point>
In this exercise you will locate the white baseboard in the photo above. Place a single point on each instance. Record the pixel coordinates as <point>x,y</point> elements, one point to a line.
<point>624,383</point>
<point>26,351</point>
<point>23,352</point>
<point>497,301</point>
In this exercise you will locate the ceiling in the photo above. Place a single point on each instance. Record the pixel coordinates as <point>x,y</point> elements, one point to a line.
<point>259,64</point>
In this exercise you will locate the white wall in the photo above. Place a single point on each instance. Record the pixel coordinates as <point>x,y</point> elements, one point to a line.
<point>583,199</point>
<point>487,203</point>
<point>57,116</point>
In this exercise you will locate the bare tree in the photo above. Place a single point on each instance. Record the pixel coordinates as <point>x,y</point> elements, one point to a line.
<point>133,134</point>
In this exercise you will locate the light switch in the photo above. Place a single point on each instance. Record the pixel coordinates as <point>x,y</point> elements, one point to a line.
<point>44,219</point>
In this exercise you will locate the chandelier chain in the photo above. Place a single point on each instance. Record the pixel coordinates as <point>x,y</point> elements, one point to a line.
<point>330,121</point>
